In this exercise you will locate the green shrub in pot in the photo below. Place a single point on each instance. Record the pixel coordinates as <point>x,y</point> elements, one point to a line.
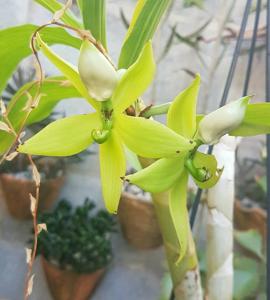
<point>77,239</point>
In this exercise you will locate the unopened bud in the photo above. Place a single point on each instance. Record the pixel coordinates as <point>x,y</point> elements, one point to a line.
<point>221,121</point>
<point>96,72</point>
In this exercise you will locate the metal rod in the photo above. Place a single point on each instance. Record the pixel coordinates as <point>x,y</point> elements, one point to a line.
<point>267,92</point>
<point>252,47</point>
<point>225,94</point>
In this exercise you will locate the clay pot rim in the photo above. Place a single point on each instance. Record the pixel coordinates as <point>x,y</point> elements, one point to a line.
<point>11,176</point>
<point>136,200</point>
<point>44,259</point>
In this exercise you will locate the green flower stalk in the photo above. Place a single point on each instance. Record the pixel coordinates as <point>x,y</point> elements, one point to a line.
<point>110,93</point>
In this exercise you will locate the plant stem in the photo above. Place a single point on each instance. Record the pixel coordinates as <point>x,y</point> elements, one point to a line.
<point>185,275</point>
<point>155,110</point>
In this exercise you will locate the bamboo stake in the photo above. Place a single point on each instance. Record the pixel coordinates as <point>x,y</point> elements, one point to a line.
<point>219,246</point>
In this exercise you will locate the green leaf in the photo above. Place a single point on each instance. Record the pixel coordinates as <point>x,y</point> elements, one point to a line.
<point>80,4</point>
<point>159,176</point>
<point>68,17</point>
<point>246,279</point>
<point>136,13</point>
<point>251,240</point>
<point>147,16</point>
<point>63,137</point>
<point>209,162</point>
<point>149,138</point>
<point>179,213</point>
<point>136,80</point>
<point>14,46</point>
<point>68,70</point>
<point>53,90</point>
<point>112,168</point>
<point>181,116</point>
<point>256,121</point>
<point>94,19</point>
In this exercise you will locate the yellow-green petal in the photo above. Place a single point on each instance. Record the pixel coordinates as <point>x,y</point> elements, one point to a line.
<point>135,80</point>
<point>63,137</point>
<point>159,176</point>
<point>68,70</point>
<point>112,168</point>
<point>149,138</point>
<point>182,112</point>
<point>179,213</point>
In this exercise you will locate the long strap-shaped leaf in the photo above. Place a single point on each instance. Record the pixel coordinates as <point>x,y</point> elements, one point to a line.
<point>144,25</point>
<point>53,6</point>
<point>256,121</point>
<point>94,19</point>
<point>14,46</point>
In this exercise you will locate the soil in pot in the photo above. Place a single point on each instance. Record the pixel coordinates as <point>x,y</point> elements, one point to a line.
<point>69,285</point>
<point>17,184</point>
<point>138,220</point>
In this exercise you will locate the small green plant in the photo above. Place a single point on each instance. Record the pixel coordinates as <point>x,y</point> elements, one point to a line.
<point>77,239</point>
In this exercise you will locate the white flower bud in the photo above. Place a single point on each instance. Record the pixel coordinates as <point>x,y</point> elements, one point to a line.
<point>96,72</point>
<point>221,121</point>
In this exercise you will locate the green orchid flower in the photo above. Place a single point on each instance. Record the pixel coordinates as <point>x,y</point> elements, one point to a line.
<point>170,174</point>
<point>182,119</point>
<point>110,93</point>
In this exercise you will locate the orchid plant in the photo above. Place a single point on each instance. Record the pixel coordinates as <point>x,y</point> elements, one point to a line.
<point>121,120</point>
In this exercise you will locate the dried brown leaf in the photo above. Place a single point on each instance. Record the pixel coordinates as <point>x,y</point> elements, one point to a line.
<point>36,175</point>
<point>28,255</point>
<point>29,101</point>
<point>33,204</point>
<point>22,135</point>
<point>59,14</point>
<point>36,101</point>
<point>66,83</point>
<point>41,227</point>
<point>3,108</point>
<point>4,127</point>
<point>11,156</point>
<point>30,285</point>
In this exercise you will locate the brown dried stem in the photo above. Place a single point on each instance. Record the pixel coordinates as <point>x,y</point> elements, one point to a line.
<point>36,178</point>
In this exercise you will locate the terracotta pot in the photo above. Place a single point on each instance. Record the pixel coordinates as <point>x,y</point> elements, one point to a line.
<point>246,218</point>
<point>138,222</point>
<point>68,285</point>
<point>16,194</point>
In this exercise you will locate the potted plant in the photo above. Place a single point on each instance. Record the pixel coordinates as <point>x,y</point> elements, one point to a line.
<point>16,175</point>
<point>17,184</point>
<point>137,218</point>
<point>76,249</point>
